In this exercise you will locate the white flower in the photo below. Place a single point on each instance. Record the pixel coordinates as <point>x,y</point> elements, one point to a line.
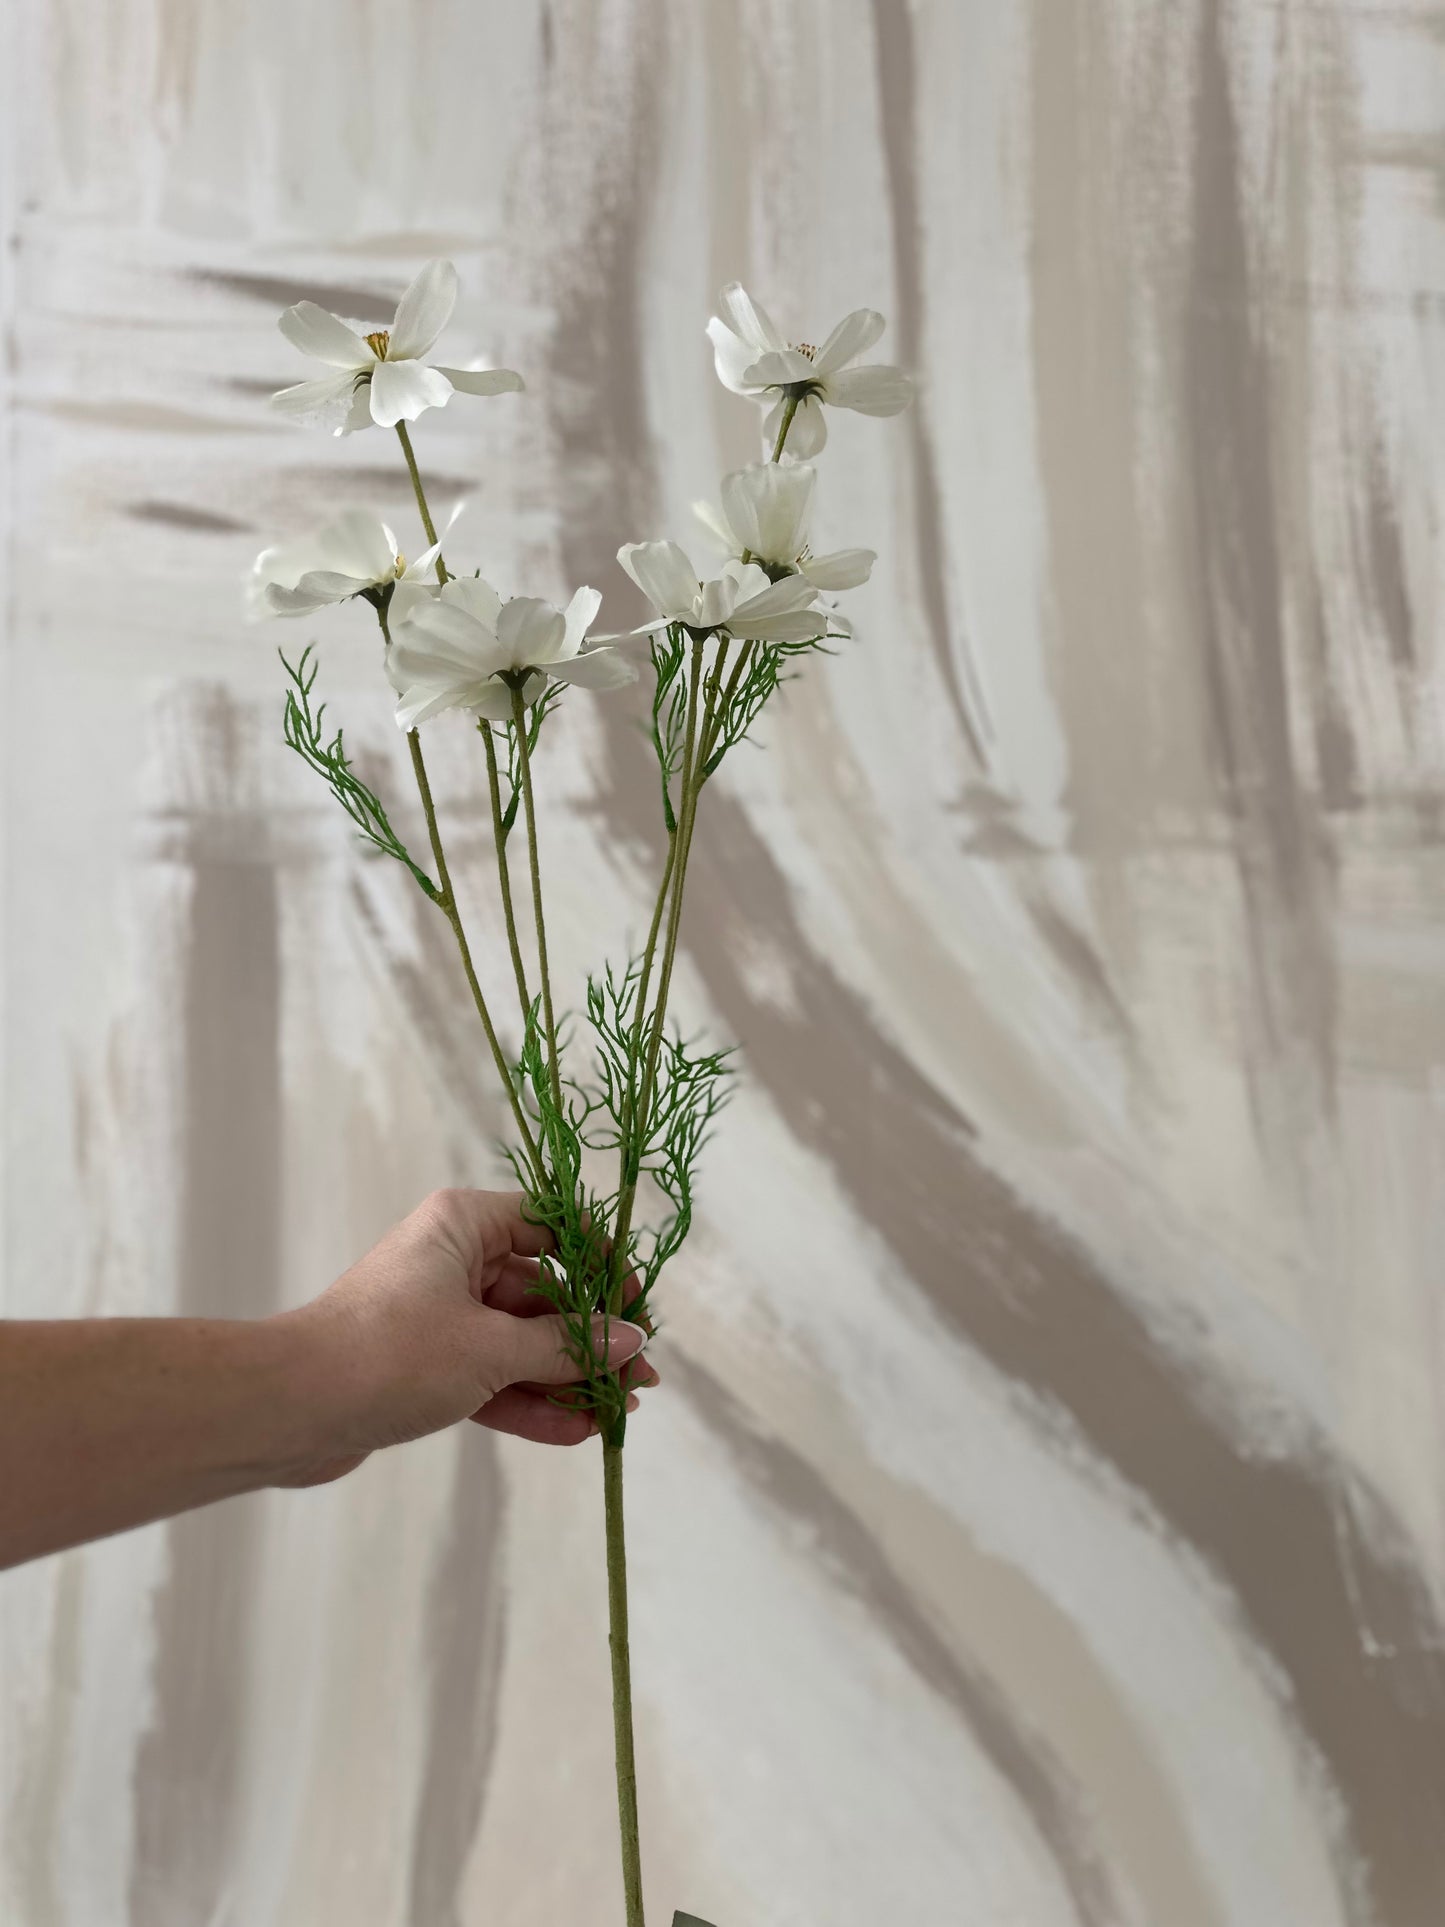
<point>764,518</point>
<point>740,601</point>
<point>353,553</point>
<point>456,650</point>
<point>754,359</point>
<point>381,377</point>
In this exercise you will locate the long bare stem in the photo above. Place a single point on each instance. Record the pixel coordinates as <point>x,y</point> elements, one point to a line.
<point>621,1681</point>
<point>504,874</point>
<point>524,765</point>
<point>415,473</point>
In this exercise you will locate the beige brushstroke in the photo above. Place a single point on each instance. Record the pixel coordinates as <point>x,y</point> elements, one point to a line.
<point>590,519</point>
<point>33,1829</point>
<point>1285,1533</point>
<point>188,1773</point>
<point>904,1568</point>
<point>894,53</point>
<point>1284,864</point>
<point>463,1633</point>
<point>188,517</point>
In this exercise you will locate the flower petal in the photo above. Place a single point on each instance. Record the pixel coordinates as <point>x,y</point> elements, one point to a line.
<point>750,318</point>
<point>802,625</point>
<point>747,580</point>
<point>874,390</point>
<point>843,569</point>
<point>448,638</point>
<point>494,701</point>
<point>402,390</point>
<point>596,669</point>
<point>405,598</point>
<point>732,356</point>
<point>530,632</point>
<point>789,592</point>
<point>423,311</point>
<point>853,334</point>
<point>476,597</point>
<point>767,506</point>
<point>326,402</point>
<point>273,600</point>
<point>779,367</point>
<point>663,573</point>
<point>423,562</point>
<point>357,542</point>
<point>423,700</point>
<point>359,413</point>
<point>809,430</point>
<point>324,336</point>
<point>328,585</point>
<point>718,527</point>
<point>484,381</point>
<point>581,613</point>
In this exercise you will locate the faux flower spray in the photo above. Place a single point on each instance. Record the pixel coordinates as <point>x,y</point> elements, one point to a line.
<point>623,1084</point>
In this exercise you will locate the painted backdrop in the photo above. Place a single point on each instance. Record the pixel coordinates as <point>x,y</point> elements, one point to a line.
<point>1041,1522</point>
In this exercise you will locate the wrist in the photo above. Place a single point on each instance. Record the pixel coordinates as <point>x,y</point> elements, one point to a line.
<point>301,1392</point>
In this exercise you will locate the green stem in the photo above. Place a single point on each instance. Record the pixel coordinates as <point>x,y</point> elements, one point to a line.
<point>504,875</point>
<point>420,493</point>
<point>790,408</point>
<point>622,1683</point>
<point>447,902</point>
<point>639,1107</point>
<point>524,764</point>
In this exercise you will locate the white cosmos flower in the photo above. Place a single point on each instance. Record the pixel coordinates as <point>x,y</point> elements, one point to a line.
<point>753,358</point>
<point>764,516</point>
<point>353,553</point>
<point>381,376</point>
<point>453,650</point>
<point>740,601</point>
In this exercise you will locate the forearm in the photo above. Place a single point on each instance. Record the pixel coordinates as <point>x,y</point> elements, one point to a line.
<point>109,1423</point>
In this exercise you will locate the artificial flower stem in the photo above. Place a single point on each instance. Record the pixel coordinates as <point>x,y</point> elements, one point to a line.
<point>427,523</point>
<point>674,920</point>
<point>524,764</point>
<point>790,408</point>
<point>447,900</point>
<point>621,1681</point>
<point>640,1110</point>
<point>504,876</point>
<point>631,1141</point>
<point>448,904</point>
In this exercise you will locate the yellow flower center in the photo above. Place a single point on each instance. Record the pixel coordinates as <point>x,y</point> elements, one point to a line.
<point>377,343</point>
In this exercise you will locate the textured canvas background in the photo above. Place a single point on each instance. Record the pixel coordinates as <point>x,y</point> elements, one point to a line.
<point>1041,1522</point>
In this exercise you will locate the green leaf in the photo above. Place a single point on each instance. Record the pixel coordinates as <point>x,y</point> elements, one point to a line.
<point>689,1920</point>
<point>305,733</point>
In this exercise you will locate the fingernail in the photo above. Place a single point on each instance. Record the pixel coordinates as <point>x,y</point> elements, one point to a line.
<point>632,1401</point>
<point>624,1340</point>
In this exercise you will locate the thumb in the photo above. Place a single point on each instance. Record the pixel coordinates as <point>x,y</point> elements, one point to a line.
<point>537,1350</point>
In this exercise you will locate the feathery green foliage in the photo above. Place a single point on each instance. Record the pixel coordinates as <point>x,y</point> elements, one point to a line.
<point>304,730</point>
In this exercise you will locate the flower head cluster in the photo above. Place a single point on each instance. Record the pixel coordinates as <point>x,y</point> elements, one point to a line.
<point>380,375</point>
<point>455,642</point>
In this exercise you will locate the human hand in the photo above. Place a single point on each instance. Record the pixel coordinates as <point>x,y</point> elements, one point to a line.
<point>438,1322</point>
